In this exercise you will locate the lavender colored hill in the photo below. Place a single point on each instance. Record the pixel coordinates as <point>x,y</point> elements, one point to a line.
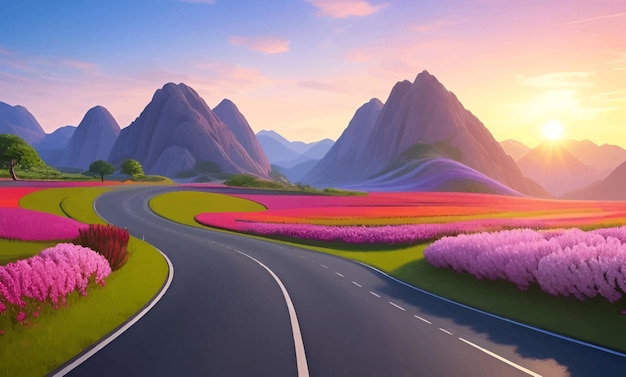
<point>92,140</point>
<point>514,148</point>
<point>176,130</point>
<point>17,120</point>
<point>610,188</point>
<point>349,149</point>
<point>228,113</point>
<point>51,147</point>
<point>418,113</point>
<point>557,170</point>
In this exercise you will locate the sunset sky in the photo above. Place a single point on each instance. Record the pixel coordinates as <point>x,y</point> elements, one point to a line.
<point>303,67</point>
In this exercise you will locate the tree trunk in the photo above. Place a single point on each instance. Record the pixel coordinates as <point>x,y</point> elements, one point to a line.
<point>12,170</point>
<point>101,177</point>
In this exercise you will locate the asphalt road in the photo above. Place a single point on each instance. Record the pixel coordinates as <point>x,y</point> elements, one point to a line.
<point>225,315</point>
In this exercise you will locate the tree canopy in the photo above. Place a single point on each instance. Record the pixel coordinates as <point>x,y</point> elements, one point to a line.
<point>132,167</point>
<point>101,167</point>
<point>14,151</point>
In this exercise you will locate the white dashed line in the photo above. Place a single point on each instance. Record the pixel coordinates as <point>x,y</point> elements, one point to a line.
<point>446,331</point>
<point>422,319</point>
<point>338,274</point>
<point>398,306</point>
<point>323,266</point>
<point>527,371</point>
<point>357,284</point>
<point>374,294</point>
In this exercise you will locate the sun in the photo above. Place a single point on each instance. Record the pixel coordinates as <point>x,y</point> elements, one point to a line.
<point>553,130</point>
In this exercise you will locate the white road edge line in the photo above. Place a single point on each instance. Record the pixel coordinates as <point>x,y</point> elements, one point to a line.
<point>507,361</point>
<point>423,319</point>
<point>303,369</point>
<point>324,266</point>
<point>446,331</point>
<point>338,274</point>
<point>398,306</point>
<point>357,284</point>
<point>374,294</point>
<point>546,332</point>
<point>68,368</point>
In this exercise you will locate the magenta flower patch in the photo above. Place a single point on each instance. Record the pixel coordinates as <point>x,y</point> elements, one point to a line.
<point>27,225</point>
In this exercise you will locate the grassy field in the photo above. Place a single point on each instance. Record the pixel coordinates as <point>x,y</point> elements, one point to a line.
<point>57,336</point>
<point>594,320</point>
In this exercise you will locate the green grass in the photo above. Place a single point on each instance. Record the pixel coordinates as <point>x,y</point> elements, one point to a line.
<point>57,336</point>
<point>12,250</point>
<point>45,173</point>
<point>595,321</point>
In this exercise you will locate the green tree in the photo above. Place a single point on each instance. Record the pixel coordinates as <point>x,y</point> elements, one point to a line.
<point>132,167</point>
<point>101,167</point>
<point>14,151</point>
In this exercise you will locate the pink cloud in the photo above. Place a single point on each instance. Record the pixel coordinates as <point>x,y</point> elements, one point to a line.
<point>267,45</point>
<point>346,8</point>
<point>433,25</point>
<point>598,18</point>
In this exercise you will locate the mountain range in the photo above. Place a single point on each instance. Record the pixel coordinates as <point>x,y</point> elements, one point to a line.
<point>420,139</point>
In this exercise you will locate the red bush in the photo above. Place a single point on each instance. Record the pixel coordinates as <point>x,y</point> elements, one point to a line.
<point>108,240</point>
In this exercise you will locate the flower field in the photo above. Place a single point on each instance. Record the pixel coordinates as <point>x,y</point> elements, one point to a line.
<point>406,218</point>
<point>27,225</point>
<point>563,262</point>
<point>48,278</point>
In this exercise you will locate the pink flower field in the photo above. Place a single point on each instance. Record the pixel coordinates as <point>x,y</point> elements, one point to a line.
<point>27,225</point>
<point>49,278</point>
<point>563,262</point>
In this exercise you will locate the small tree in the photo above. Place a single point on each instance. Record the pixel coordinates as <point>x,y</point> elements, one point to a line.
<point>132,167</point>
<point>101,167</point>
<point>14,151</point>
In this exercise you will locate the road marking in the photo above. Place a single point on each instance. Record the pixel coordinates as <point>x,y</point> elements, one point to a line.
<point>422,319</point>
<point>397,306</point>
<point>303,369</point>
<point>446,331</point>
<point>323,266</point>
<point>527,371</point>
<point>374,294</point>
<point>338,274</point>
<point>68,368</point>
<point>357,284</point>
<point>313,260</point>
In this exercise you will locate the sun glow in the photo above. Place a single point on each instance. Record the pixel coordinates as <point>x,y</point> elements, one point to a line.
<point>553,130</point>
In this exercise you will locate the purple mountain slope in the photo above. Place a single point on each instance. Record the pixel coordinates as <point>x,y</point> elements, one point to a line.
<point>17,120</point>
<point>610,188</point>
<point>422,113</point>
<point>336,166</point>
<point>176,130</point>
<point>514,148</point>
<point>92,140</point>
<point>51,147</point>
<point>228,113</point>
<point>605,157</point>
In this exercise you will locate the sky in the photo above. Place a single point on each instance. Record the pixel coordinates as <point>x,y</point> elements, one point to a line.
<point>303,67</point>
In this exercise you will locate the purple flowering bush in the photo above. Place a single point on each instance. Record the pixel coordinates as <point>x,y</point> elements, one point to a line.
<point>48,279</point>
<point>563,262</point>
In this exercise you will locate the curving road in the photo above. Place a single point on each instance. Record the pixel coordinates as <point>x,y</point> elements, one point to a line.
<point>225,314</point>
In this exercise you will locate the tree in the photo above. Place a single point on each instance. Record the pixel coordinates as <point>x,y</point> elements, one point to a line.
<point>101,167</point>
<point>132,167</point>
<point>14,151</point>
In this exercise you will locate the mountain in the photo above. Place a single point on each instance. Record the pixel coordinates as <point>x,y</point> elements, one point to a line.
<point>17,120</point>
<point>92,140</point>
<point>349,148</point>
<point>514,148</point>
<point>176,130</point>
<point>422,113</point>
<point>287,154</point>
<point>555,168</point>
<point>51,147</point>
<point>610,188</point>
<point>606,157</point>
<point>228,113</point>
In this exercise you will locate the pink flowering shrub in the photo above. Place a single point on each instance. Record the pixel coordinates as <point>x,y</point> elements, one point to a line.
<point>50,278</point>
<point>27,225</point>
<point>563,262</point>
